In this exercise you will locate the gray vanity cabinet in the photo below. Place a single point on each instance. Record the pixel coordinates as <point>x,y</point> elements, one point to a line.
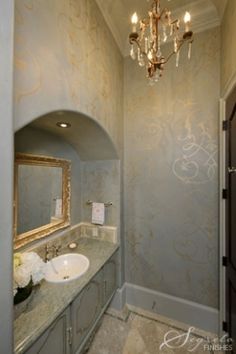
<point>56,339</point>
<point>84,311</point>
<point>109,279</point>
<point>88,307</point>
<point>72,330</point>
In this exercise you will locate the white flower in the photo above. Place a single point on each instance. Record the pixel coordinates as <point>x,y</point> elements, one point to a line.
<point>22,276</point>
<point>31,267</point>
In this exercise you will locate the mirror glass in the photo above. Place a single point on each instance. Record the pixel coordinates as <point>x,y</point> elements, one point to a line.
<point>39,196</point>
<point>42,196</point>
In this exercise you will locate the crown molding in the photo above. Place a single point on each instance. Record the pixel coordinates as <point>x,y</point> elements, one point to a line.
<point>221,6</point>
<point>111,25</point>
<point>204,17</point>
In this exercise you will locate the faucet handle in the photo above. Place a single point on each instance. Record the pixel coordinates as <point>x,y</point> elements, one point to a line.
<point>57,250</point>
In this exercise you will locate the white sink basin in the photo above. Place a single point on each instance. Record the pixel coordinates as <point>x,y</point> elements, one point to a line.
<point>65,268</point>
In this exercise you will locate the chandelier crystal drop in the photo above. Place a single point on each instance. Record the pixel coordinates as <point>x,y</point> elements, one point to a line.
<point>149,34</point>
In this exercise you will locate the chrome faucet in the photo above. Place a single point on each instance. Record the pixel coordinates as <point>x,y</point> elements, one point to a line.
<point>47,254</point>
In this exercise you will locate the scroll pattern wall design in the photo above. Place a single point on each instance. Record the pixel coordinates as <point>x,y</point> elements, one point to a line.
<point>25,61</point>
<point>66,58</point>
<point>171,176</point>
<point>197,163</point>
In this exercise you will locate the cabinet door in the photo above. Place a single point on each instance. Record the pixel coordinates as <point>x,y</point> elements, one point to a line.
<point>55,339</point>
<point>85,310</point>
<point>109,279</point>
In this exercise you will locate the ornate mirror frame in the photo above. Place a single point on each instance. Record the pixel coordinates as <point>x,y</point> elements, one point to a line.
<point>45,230</point>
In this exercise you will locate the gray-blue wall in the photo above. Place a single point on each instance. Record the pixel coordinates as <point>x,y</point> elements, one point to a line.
<point>171,175</point>
<point>101,183</point>
<point>66,58</point>
<point>6,174</point>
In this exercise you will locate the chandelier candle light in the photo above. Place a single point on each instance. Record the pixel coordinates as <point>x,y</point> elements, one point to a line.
<point>149,34</point>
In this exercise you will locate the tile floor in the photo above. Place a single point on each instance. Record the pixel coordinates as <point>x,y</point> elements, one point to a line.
<point>132,333</point>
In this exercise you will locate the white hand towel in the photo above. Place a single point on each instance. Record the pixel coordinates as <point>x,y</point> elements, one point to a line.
<point>98,213</point>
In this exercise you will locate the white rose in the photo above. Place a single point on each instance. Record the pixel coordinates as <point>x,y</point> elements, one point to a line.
<point>22,276</point>
<point>32,267</point>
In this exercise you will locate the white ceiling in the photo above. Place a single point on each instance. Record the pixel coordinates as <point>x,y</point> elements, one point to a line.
<point>205,14</point>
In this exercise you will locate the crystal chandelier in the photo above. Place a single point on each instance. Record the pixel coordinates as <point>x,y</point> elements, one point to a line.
<point>149,34</point>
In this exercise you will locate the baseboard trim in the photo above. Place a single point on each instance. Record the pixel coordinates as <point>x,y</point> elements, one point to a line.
<point>188,312</point>
<point>119,299</point>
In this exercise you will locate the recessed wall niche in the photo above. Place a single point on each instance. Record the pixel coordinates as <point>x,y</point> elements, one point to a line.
<point>95,167</point>
<point>34,141</point>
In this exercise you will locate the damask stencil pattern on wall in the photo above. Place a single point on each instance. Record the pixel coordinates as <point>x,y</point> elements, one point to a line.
<point>197,163</point>
<point>171,175</point>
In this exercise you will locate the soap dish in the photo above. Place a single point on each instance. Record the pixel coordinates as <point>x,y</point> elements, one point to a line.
<point>73,245</point>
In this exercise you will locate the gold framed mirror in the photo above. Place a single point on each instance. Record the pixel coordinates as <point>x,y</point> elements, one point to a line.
<point>41,197</point>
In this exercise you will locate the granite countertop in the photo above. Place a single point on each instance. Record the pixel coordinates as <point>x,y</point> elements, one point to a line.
<point>50,300</point>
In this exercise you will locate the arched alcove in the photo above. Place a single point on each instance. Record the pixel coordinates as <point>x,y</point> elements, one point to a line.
<point>88,138</point>
<point>95,165</point>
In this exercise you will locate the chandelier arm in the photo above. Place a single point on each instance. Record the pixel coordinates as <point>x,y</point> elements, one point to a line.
<point>173,53</point>
<point>142,52</point>
<point>173,22</point>
<point>168,58</point>
<point>162,13</point>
